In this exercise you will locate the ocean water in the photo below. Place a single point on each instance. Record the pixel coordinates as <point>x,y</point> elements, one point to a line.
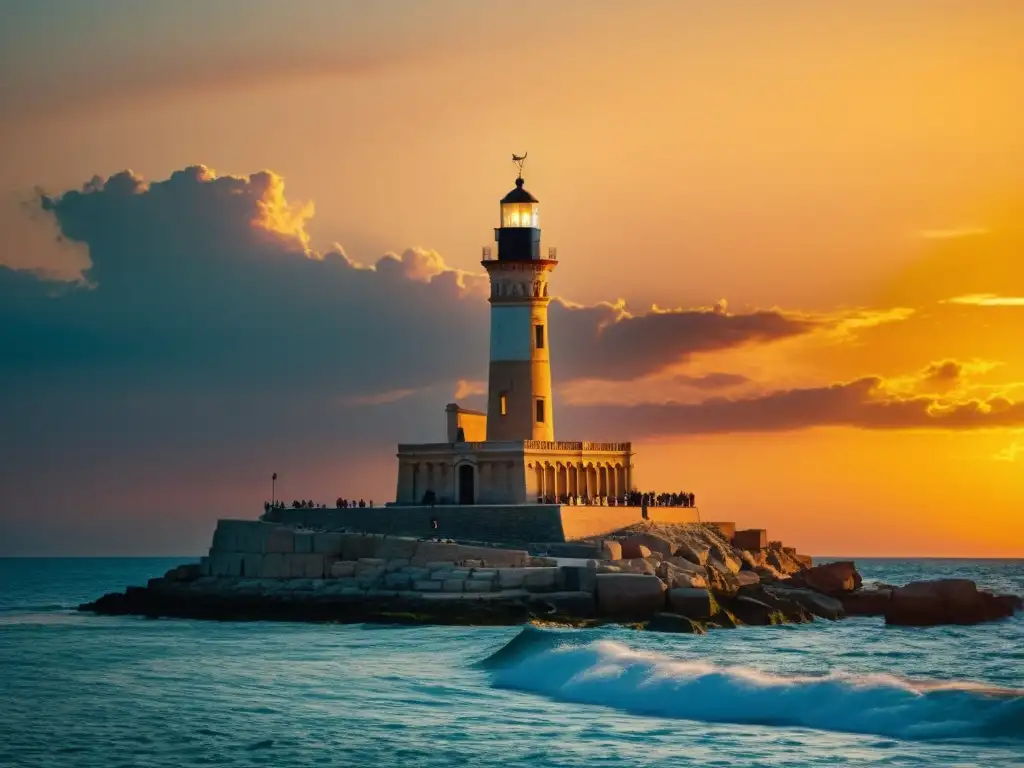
<point>81,690</point>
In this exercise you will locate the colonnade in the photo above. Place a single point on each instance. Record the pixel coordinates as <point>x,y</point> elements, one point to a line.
<point>557,480</point>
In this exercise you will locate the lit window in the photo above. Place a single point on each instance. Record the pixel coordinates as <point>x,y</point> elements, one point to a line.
<point>503,404</point>
<point>538,333</point>
<point>540,411</point>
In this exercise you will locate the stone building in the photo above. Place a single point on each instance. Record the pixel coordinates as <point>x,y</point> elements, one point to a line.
<point>510,455</point>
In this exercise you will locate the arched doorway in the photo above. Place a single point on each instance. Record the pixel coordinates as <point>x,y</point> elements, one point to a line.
<point>467,484</point>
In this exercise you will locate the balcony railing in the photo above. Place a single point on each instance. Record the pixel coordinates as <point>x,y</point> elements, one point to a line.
<point>488,253</point>
<point>575,445</point>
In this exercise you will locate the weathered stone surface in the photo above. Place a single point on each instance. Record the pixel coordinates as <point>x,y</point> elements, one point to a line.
<point>725,560</point>
<point>652,541</point>
<point>397,580</point>
<point>327,543</point>
<point>611,550</point>
<point>511,578</point>
<point>695,603</point>
<point>675,576</point>
<point>478,585</point>
<point>769,574</point>
<point>783,562</point>
<point>632,549</point>
<point>747,578</point>
<point>673,622</point>
<point>577,579</point>
<point>755,612</point>
<point>426,585</point>
<point>275,566</point>
<point>391,548</point>
<point>816,603</point>
<point>751,539</point>
<point>945,601</point>
<point>453,585</point>
<point>805,560</point>
<point>396,564</point>
<point>542,562</point>
<point>866,602</point>
<point>728,530</point>
<point>303,542</point>
<point>541,579</point>
<point>830,579</point>
<point>279,540</point>
<point>307,566</point>
<point>635,565</point>
<point>225,564</point>
<point>355,546</point>
<point>629,594</point>
<point>695,553</point>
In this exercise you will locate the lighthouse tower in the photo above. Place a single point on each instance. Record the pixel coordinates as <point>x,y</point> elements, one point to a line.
<point>519,403</point>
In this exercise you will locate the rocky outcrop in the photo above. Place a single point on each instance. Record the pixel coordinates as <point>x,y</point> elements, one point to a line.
<point>866,602</point>
<point>830,579</point>
<point>674,622</point>
<point>946,601</point>
<point>630,595</point>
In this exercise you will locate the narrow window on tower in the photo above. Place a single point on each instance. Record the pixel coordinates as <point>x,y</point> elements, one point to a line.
<point>540,410</point>
<point>538,332</point>
<point>503,403</point>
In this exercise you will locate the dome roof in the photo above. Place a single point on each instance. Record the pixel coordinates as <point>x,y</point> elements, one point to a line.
<point>519,195</point>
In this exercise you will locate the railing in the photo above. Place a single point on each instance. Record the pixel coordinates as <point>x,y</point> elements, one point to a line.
<point>575,445</point>
<point>487,253</point>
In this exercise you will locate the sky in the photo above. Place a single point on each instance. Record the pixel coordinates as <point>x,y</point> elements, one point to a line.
<point>244,237</point>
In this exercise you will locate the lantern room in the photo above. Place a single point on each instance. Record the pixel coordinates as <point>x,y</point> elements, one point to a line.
<point>519,208</point>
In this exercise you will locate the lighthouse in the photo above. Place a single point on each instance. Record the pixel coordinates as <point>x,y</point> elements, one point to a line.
<point>519,405</point>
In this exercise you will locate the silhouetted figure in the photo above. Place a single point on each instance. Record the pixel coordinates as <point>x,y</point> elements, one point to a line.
<point>693,500</point>
<point>362,503</point>
<point>433,523</point>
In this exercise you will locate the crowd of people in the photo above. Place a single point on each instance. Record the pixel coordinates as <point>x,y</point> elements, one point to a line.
<point>310,504</point>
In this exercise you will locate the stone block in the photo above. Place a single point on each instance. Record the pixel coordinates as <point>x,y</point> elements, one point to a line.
<point>573,578</point>
<point>397,581</point>
<point>377,562</point>
<point>692,603</point>
<point>542,562</point>
<point>493,556</point>
<point>342,568</point>
<point>327,543</point>
<point>369,571</point>
<point>426,585</point>
<point>747,579</point>
<point>437,565</point>
<point>652,541</point>
<point>355,546</point>
<point>483,573</point>
<point>541,579</point>
<point>611,550</point>
<point>280,540</point>
<point>240,535</point>
<point>511,578</point>
<point>473,563</point>
<point>459,573</point>
<point>303,542</point>
<point>478,585</point>
<point>728,530</point>
<point>751,539</point>
<point>307,566</point>
<point>416,572</point>
<point>633,550</point>
<point>275,566</point>
<point>435,552</point>
<point>225,564</point>
<point>630,594</point>
<point>251,565</point>
<point>397,564</point>
<point>389,548</point>
<point>453,585</point>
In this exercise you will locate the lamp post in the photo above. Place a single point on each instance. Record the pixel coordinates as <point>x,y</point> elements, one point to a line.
<point>273,490</point>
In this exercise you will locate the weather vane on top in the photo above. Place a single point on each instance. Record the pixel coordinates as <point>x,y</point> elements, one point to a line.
<point>519,162</point>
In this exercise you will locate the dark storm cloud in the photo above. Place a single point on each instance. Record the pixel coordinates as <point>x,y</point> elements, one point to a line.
<point>863,403</point>
<point>208,281</point>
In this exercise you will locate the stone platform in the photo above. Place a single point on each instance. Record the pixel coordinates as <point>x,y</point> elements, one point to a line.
<point>507,524</point>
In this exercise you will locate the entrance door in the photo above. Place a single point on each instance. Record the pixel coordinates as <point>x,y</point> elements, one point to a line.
<point>466,486</point>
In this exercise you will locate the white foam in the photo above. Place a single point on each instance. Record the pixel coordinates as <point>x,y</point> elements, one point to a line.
<point>610,674</point>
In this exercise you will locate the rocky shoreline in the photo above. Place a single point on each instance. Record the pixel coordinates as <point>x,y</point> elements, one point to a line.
<point>670,578</point>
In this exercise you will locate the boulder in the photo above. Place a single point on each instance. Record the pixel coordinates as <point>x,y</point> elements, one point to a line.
<point>695,553</point>
<point>778,559</point>
<point>686,565</point>
<point>753,560</point>
<point>632,550</point>
<point>652,541</point>
<point>866,602</point>
<point>391,548</point>
<point>630,594</point>
<point>751,539</point>
<point>747,579</point>
<point>830,579</point>
<point>611,550</point>
<point>695,603</point>
<point>769,574</point>
<point>573,578</point>
<point>673,622</point>
<point>541,579</point>
<point>820,605</point>
<point>806,561</point>
<point>756,612</point>
<point>677,577</point>
<point>728,530</point>
<point>723,557</point>
<point>945,601</point>
<point>722,583</point>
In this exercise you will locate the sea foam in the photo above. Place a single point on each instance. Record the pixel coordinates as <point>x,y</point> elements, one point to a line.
<point>567,667</point>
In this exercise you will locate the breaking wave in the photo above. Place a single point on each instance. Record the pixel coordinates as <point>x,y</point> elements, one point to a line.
<point>566,666</point>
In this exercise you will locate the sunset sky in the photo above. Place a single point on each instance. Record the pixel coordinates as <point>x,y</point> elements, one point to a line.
<point>243,237</point>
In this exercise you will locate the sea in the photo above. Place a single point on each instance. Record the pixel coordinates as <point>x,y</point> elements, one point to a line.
<point>83,690</point>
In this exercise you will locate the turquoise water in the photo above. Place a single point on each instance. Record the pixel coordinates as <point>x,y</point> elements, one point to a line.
<point>80,690</point>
